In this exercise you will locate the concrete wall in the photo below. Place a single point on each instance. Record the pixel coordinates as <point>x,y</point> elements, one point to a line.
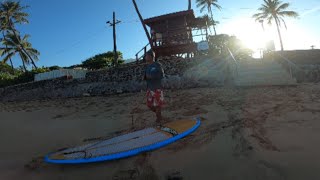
<point>75,73</point>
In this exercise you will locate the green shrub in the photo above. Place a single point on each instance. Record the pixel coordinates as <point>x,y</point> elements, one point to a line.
<point>51,68</point>
<point>5,68</point>
<point>6,79</point>
<point>20,77</point>
<point>101,61</point>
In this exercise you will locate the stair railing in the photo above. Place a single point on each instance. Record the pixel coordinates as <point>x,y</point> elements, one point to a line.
<point>233,63</point>
<point>291,67</point>
<point>144,50</point>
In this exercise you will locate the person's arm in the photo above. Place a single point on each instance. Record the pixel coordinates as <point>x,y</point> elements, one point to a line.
<point>144,77</point>
<point>160,74</point>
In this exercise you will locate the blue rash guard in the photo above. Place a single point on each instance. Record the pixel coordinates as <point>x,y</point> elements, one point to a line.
<point>154,75</point>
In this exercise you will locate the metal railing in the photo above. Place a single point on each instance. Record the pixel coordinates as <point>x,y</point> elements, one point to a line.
<point>233,64</point>
<point>144,51</point>
<point>295,71</point>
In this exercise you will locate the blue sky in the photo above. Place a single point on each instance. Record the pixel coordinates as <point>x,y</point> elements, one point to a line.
<point>67,32</point>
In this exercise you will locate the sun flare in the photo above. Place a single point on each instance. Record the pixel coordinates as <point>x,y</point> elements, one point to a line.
<point>253,36</point>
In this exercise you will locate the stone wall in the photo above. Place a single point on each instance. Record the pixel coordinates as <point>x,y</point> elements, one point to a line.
<point>311,72</point>
<point>180,73</point>
<point>307,62</point>
<point>302,57</point>
<point>135,72</point>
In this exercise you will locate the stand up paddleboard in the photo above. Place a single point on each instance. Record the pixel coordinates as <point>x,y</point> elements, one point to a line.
<point>125,145</point>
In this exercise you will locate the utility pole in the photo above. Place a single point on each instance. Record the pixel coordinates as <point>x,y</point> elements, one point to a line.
<point>115,53</point>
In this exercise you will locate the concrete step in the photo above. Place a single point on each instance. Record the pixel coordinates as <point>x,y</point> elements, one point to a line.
<point>264,83</point>
<point>257,79</point>
<point>259,65</point>
<point>260,69</point>
<point>265,78</point>
<point>262,73</point>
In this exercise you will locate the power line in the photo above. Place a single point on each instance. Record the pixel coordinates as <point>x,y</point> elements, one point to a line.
<point>78,42</point>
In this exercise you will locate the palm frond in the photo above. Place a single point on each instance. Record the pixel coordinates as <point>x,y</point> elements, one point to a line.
<point>201,3</point>
<point>7,57</point>
<point>289,14</point>
<point>273,9</point>
<point>269,20</point>
<point>217,6</point>
<point>202,8</point>
<point>24,57</point>
<point>5,51</point>
<point>284,23</point>
<point>204,4</point>
<point>34,53</point>
<point>25,37</point>
<point>282,7</point>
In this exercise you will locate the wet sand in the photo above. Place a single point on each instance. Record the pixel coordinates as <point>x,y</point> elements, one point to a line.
<point>248,133</point>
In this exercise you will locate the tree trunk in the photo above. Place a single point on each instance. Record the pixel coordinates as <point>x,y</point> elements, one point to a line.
<point>279,33</point>
<point>12,68</point>
<point>262,25</point>
<point>214,28</point>
<point>143,24</point>
<point>23,49</point>
<point>24,66</point>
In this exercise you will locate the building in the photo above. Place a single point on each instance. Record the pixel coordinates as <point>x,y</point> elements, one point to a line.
<point>172,34</point>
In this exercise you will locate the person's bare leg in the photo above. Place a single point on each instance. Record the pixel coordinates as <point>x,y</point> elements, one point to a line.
<point>158,114</point>
<point>153,109</point>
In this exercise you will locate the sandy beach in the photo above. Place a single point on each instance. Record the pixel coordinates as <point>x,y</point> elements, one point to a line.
<point>246,133</point>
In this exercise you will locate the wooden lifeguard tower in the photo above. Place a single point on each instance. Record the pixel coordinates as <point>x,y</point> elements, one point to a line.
<point>172,34</point>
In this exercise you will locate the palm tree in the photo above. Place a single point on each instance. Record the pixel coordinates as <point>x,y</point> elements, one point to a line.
<point>14,46</point>
<point>3,29</point>
<point>275,10</point>
<point>142,22</point>
<point>207,4</point>
<point>12,13</point>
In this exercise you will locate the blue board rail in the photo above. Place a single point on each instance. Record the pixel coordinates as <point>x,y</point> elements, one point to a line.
<point>125,154</point>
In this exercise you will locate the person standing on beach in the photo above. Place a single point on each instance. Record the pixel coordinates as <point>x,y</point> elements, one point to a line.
<point>153,76</point>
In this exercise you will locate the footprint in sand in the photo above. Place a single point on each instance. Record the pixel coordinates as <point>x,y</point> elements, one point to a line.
<point>35,163</point>
<point>58,116</point>
<point>174,175</point>
<point>126,174</point>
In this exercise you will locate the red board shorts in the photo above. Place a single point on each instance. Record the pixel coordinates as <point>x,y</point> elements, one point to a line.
<point>155,98</point>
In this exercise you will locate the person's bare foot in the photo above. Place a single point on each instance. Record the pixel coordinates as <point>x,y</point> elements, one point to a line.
<point>158,123</point>
<point>166,119</point>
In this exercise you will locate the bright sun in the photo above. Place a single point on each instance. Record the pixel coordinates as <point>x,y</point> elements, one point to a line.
<point>253,36</point>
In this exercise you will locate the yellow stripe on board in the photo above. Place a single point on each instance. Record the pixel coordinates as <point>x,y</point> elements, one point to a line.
<point>181,126</point>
